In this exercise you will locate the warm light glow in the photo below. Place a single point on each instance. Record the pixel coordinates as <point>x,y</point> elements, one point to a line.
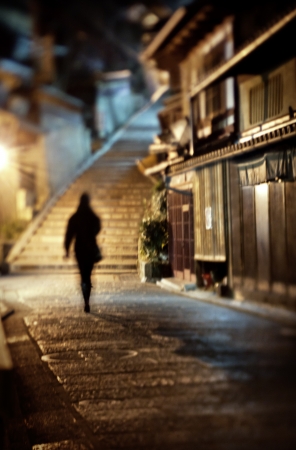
<point>3,158</point>
<point>150,20</point>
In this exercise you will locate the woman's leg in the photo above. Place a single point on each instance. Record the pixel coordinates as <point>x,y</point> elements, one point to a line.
<point>85,268</point>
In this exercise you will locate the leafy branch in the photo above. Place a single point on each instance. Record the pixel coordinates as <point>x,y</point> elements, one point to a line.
<point>153,239</point>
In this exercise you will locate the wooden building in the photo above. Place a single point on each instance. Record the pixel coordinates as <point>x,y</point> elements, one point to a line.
<point>231,178</point>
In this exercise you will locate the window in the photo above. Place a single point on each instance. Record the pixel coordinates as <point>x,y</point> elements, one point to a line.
<point>213,100</point>
<point>257,104</point>
<point>275,95</point>
<point>266,99</point>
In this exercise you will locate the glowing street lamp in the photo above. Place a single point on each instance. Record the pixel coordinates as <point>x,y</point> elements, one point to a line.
<point>3,157</point>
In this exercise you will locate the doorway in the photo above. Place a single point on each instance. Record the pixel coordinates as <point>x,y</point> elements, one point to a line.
<point>181,235</point>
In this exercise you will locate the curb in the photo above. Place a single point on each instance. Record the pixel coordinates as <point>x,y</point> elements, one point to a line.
<point>276,314</point>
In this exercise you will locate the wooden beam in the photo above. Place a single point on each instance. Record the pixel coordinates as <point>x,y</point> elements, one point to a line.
<point>163,34</point>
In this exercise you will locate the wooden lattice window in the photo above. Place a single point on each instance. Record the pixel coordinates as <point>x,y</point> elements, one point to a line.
<point>266,99</point>
<point>257,104</point>
<point>275,95</point>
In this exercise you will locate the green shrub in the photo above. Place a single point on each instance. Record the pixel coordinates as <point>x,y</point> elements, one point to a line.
<point>153,242</point>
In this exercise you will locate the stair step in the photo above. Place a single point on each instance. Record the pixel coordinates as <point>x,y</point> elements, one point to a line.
<point>92,183</point>
<point>60,262</point>
<point>113,246</point>
<point>106,226</point>
<point>49,236</point>
<point>58,251</point>
<point>131,187</point>
<point>51,239</point>
<point>115,240</point>
<point>41,258</point>
<point>105,218</point>
<point>117,198</point>
<point>72,204</point>
<point>119,232</point>
<point>97,193</point>
<point>104,241</point>
<point>65,212</point>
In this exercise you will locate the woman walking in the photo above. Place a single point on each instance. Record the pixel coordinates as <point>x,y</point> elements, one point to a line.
<point>84,225</point>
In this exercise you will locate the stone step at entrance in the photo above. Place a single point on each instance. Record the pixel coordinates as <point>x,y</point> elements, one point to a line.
<point>117,191</point>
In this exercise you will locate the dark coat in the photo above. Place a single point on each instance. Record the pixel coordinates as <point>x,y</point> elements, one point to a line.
<point>84,225</point>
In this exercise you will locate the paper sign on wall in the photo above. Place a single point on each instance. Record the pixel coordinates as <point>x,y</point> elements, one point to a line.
<point>208,214</point>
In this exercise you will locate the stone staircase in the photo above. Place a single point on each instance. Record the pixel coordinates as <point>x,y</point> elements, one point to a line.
<point>117,191</point>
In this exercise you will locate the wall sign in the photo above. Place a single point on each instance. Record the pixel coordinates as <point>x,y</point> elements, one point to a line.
<point>208,214</point>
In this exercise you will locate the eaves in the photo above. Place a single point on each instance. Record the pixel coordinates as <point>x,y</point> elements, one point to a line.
<point>272,136</point>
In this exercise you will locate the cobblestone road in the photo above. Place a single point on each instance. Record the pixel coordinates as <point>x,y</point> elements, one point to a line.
<point>145,370</point>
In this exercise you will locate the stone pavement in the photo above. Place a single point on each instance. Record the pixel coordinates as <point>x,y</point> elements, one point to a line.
<point>147,369</point>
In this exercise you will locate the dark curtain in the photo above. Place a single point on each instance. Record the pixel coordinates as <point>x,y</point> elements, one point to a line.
<point>271,166</point>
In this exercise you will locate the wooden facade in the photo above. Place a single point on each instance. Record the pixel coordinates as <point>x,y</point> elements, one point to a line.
<point>209,214</point>
<point>264,239</point>
<point>241,98</point>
